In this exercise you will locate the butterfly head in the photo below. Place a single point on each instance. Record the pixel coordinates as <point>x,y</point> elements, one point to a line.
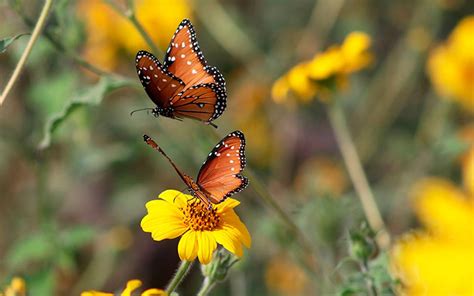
<point>156,111</point>
<point>167,112</point>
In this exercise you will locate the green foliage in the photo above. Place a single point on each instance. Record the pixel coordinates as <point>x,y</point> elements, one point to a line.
<point>6,42</point>
<point>92,96</point>
<point>371,275</point>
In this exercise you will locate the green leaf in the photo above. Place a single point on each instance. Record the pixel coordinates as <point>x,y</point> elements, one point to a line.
<point>42,282</point>
<point>35,248</point>
<point>77,237</point>
<point>6,42</point>
<point>93,96</point>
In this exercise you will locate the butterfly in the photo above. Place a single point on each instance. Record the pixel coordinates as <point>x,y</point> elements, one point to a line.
<point>219,176</point>
<point>184,85</point>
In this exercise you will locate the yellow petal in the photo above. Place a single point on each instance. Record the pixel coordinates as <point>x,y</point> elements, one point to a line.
<point>164,230</point>
<point>132,285</point>
<point>228,241</point>
<point>207,245</point>
<point>188,245</point>
<point>175,197</point>
<point>95,293</point>
<point>300,83</point>
<point>162,208</point>
<point>444,209</point>
<point>227,204</point>
<point>429,266</point>
<point>280,89</point>
<point>233,222</point>
<point>326,64</point>
<point>154,292</point>
<point>468,172</point>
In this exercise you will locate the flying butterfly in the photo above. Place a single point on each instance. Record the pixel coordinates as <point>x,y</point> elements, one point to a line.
<point>184,85</point>
<point>219,176</point>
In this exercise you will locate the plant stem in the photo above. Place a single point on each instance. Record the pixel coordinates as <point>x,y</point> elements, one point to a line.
<point>206,287</point>
<point>34,36</point>
<point>356,173</point>
<point>292,227</point>
<point>371,290</point>
<point>60,47</point>
<point>141,30</point>
<point>183,269</point>
<point>130,15</point>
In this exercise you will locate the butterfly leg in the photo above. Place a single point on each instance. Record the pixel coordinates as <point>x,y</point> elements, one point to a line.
<point>211,124</point>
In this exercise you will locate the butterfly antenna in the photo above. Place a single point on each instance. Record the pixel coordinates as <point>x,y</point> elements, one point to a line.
<point>212,124</point>
<point>149,141</point>
<point>143,109</point>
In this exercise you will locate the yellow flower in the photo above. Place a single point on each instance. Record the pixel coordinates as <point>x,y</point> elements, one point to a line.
<point>317,76</point>
<point>439,260</point>
<point>320,176</point>
<point>176,214</point>
<point>451,65</point>
<point>132,285</point>
<point>17,287</point>
<point>109,33</point>
<point>284,277</point>
<point>355,52</point>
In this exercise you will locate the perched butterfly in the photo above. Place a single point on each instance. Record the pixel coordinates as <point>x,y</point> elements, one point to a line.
<point>184,85</point>
<point>219,176</point>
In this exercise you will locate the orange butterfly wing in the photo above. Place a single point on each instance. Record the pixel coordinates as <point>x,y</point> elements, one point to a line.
<point>185,59</point>
<point>200,102</point>
<point>220,177</point>
<point>159,84</point>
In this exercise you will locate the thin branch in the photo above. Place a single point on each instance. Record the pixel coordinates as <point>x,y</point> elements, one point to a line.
<point>222,25</point>
<point>130,15</point>
<point>356,173</point>
<point>24,57</point>
<point>60,47</point>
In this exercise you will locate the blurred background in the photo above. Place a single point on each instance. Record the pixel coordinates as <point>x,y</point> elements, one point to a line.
<point>75,174</point>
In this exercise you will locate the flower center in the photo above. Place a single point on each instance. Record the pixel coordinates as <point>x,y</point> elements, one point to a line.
<point>199,217</point>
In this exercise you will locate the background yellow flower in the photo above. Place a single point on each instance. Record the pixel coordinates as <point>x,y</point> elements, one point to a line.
<point>440,259</point>
<point>451,65</point>
<point>327,70</point>
<point>132,285</point>
<point>109,33</point>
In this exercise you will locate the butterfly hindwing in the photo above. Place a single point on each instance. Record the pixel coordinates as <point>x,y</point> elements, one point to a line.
<point>204,102</point>
<point>159,84</point>
<point>220,177</point>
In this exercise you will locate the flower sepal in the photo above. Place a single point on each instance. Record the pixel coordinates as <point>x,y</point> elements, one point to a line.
<point>217,269</point>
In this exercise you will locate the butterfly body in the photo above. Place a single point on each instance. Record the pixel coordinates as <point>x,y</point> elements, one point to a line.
<point>183,86</point>
<point>219,176</point>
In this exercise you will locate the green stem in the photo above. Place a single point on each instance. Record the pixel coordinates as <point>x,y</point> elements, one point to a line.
<point>141,30</point>
<point>356,173</point>
<point>130,15</point>
<point>59,46</point>
<point>24,57</point>
<point>206,287</point>
<point>222,25</point>
<point>371,289</point>
<point>283,216</point>
<point>183,269</point>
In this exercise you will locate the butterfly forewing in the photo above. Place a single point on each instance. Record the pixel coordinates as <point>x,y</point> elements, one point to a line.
<point>159,84</point>
<point>185,59</point>
<point>219,176</point>
<point>201,102</point>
